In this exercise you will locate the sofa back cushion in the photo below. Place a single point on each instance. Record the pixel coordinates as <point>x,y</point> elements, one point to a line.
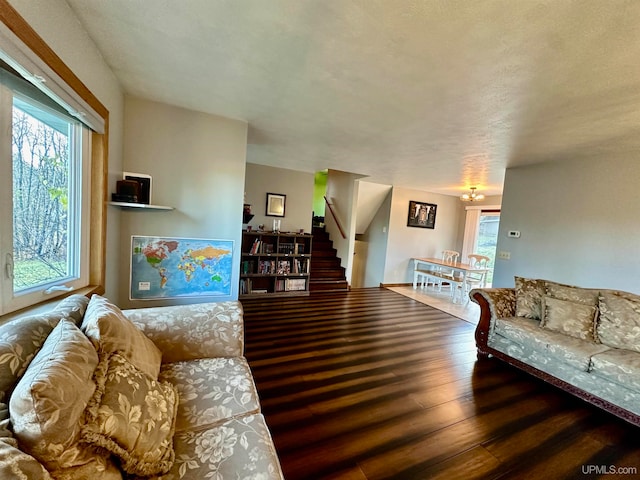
<point>619,322</point>
<point>110,331</point>
<point>47,406</point>
<point>21,339</point>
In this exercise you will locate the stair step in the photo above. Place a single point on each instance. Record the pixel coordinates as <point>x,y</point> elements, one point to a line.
<point>327,247</point>
<point>325,262</point>
<point>328,285</point>
<point>318,274</point>
<point>324,253</point>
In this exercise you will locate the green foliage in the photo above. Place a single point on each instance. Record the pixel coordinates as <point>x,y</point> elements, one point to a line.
<point>61,195</point>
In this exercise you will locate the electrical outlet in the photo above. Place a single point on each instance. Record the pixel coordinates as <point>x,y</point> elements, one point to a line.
<point>504,255</point>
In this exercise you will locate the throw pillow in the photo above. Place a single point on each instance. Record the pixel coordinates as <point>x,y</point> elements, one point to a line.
<point>73,307</point>
<point>110,331</point>
<point>585,296</point>
<point>570,318</point>
<point>21,339</point>
<point>47,406</point>
<point>132,416</point>
<point>529,293</point>
<point>619,323</point>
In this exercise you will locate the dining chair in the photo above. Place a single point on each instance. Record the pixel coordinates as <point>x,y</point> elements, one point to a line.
<point>476,279</point>
<point>446,277</point>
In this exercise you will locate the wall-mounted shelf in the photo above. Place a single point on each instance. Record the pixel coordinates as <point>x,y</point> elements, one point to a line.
<point>140,206</point>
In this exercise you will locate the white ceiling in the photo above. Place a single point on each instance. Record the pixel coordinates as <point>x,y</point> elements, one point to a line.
<point>432,95</point>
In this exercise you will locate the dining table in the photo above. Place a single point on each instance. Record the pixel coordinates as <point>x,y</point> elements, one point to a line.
<point>431,266</point>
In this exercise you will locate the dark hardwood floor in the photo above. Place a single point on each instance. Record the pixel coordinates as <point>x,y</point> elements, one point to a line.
<point>370,384</point>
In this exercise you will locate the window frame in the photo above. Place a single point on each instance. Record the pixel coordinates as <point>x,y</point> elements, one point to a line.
<point>79,205</point>
<point>42,54</point>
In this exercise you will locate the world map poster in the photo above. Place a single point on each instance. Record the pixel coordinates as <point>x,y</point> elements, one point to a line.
<point>179,267</point>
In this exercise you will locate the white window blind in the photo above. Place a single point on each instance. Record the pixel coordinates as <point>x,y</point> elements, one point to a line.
<point>33,69</point>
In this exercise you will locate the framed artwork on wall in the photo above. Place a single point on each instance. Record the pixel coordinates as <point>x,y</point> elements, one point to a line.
<point>275,204</point>
<point>421,214</point>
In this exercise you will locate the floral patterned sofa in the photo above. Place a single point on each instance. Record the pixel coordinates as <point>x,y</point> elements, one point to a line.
<point>91,392</point>
<point>585,341</point>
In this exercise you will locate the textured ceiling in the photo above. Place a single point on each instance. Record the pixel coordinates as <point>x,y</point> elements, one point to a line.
<point>432,95</point>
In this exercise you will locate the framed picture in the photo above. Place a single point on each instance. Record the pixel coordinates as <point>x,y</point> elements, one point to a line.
<point>421,214</point>
<point>275,204</point>
<point>145,185</point>
<point>172,267</point>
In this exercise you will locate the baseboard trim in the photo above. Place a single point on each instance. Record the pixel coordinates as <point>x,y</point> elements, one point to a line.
<point>385,285</point>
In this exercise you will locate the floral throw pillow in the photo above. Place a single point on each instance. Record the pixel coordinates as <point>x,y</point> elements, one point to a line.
<point>569,318</point>
<point>47,407</point>
<point>132,416</point>
<point>619,324</point>
<point>529,293</point>
<point>585,296</point>
<point>110,331</point>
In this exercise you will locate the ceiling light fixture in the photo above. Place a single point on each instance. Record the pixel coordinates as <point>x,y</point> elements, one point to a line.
<point>472,197</point>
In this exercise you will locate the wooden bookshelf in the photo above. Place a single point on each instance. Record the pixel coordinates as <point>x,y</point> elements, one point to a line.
<point>275,264</point>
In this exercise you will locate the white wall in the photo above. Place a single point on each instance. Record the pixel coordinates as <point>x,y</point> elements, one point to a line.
<point>578,222</point>
<point>342,194</point>
<point>60,29</point>
<point>376,237</point>
<point>296,185</point>
<point>406,242</point>
<point>197,162</point>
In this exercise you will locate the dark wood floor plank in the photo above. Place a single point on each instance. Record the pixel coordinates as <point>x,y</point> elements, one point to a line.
<point>369,384</point>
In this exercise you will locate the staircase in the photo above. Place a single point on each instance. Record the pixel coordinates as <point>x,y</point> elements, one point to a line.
<point>326,274</point>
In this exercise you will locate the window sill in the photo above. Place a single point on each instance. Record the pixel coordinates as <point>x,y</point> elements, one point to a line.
<point>47,305</point>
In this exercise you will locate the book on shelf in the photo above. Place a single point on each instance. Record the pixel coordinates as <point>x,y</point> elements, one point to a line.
<point>247,267</point>
<point>255,247</point>
<point>286,248</point>
<point>267,267</point>
<point>295,284</point>
<point>301,265</point>
<point>284,267</point>
<point>245,286</point>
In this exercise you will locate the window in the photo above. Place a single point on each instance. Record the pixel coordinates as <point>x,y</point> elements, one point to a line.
<point>45,211</point>
<point>52,213</point>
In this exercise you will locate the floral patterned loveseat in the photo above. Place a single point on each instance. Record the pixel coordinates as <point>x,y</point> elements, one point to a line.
<point>585,341</point>
<point>91,392</point>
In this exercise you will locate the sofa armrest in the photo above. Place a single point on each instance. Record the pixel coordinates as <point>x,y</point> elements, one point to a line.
<point>188,332</point>
<point>501,301</point>
<point>494,303</point>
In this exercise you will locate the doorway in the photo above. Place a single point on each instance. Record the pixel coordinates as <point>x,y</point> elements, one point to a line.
<point>481,234</point>
<point>488,239</point>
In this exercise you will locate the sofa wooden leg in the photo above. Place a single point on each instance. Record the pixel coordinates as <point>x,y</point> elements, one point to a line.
<point>483,355</point>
